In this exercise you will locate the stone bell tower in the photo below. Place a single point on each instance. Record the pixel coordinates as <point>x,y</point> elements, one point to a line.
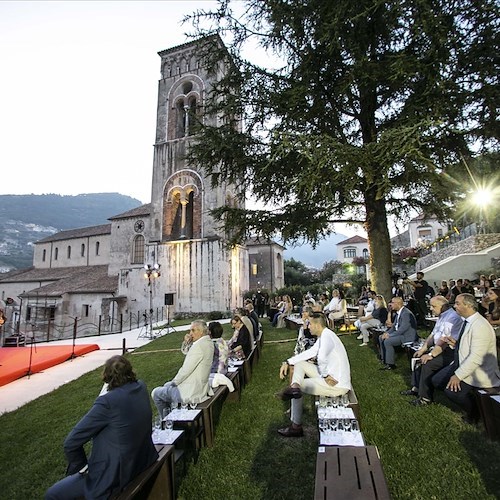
<point>196,266</point>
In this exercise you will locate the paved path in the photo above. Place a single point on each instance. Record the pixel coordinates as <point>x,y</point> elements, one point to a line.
<point>25,389</point>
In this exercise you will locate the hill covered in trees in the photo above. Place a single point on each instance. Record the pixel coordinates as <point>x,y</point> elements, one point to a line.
<point>25,219</point>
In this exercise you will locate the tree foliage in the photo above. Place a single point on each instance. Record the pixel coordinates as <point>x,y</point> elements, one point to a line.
<point>373,104</point>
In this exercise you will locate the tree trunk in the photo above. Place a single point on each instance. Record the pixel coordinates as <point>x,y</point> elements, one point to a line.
<point>380,245</point>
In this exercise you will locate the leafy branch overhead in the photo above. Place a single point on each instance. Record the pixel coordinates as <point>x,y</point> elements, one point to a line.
<point>367,113</point>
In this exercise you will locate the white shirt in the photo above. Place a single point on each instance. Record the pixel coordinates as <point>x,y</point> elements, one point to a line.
<point>331,357</point>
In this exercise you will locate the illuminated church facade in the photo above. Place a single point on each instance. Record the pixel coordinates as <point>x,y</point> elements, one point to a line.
<point>100,270</point>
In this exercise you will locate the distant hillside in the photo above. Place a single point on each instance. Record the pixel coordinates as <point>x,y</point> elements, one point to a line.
<point>25,219</point>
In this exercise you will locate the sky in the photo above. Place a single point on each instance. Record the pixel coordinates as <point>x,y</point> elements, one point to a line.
<point>78,93</point>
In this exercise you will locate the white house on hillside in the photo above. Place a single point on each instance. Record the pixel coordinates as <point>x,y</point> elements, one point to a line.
<point>356,246</point>
<point>424,229</point>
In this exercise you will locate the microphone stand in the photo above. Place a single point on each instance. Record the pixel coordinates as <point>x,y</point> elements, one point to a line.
<point>31,350</point>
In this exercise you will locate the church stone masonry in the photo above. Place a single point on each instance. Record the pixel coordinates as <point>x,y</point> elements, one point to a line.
<point>196,266</point>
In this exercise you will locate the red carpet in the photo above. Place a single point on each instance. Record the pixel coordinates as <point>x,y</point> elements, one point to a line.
<point>15,361</point>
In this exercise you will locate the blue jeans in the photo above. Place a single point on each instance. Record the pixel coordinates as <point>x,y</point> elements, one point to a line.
<point>166,395</point>
<point>69,488</point>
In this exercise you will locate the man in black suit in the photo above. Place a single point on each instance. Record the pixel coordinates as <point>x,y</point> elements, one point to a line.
<point>403,329</point>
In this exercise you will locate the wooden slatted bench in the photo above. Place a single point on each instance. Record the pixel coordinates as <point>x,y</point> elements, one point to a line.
<point>234,377</point>
<point>156,482</point>
<point>349,472</point>
<point>210,407</point>
<point>485,405</point>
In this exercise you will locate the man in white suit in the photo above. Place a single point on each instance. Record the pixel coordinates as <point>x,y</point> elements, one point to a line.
<point>475,365</point>
<point>191,381</point>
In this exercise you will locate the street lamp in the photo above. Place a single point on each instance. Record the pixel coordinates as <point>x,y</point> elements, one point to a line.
<point>151,272</point>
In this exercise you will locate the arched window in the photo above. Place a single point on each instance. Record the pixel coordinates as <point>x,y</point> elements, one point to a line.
<point>44,255</point>
<point>97,248</point>
<point>365,253</point>
<point>182,209</point>
<point>82,251</point>
<point>138,250</point>
<point>69,252</point>
<point>186,100</point>
<point>56,253</point>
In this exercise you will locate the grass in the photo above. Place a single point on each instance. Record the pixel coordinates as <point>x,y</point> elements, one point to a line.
<point>426,452</point>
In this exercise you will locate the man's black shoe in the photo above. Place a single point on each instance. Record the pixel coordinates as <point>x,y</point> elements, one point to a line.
<point>388,367</point>
<point>409,392</point>
<point>289,393</point>
<point>292,431</point>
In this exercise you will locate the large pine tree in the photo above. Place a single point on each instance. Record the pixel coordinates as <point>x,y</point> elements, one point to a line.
<point>369,113</point>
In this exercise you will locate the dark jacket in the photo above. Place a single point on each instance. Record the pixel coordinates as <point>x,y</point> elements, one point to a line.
<point>119,425</point>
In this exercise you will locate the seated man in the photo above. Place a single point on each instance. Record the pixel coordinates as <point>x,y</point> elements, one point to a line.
<point>449,323</point>
<point>221,349</point>
<point>331,376</point>
<point>191,381</point>
<point>403,330</point>
<point>119,426</point>
<point>475,365</point>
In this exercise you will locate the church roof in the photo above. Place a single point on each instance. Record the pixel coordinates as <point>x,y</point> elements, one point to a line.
<point>353,240</point>
<point>81,279</point>
<point>189,43</point>
<point>142,211</point>
<point>254,241</point>
<point>82,232</point>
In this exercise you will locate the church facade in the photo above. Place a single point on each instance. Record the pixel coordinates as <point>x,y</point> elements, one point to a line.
<point>168,252</point>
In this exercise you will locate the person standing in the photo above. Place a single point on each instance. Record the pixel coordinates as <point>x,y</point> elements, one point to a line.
<point>420,289</point>
<point>119,426</point>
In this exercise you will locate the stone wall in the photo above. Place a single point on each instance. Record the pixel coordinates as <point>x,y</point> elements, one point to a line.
<point>472,244</point>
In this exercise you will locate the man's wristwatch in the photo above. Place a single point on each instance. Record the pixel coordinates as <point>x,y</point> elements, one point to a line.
<point>430,354</point>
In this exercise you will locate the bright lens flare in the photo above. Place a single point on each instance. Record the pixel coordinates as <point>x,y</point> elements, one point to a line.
<point>482,197</point>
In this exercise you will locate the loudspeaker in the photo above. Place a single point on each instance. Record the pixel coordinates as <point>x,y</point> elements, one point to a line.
<point>169,299</point>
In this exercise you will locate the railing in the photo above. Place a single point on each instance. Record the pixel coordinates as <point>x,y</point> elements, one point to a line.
<point>49,330</point>
<point>450,239</point>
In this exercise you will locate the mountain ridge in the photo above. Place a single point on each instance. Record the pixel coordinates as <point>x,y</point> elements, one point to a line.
<point>25,219</point>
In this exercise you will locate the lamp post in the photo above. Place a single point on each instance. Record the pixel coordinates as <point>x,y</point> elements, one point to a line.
<point>151,272</point>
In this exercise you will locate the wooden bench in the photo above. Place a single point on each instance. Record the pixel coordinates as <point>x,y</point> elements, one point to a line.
<point>234,377</point>
<point>156,482</point>
<point>486,410</point>
<point>247,367</point>
<point>211,408</point>
<point>349,472</point>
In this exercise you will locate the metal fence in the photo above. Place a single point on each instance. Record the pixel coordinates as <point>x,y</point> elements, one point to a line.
<point>20,333</point>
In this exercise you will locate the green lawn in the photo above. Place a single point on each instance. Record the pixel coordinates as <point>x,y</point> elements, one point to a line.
<point>426,452</point>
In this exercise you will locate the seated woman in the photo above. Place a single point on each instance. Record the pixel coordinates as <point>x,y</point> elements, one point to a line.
<point>286,312</point>
<point>305,338</point>
<point>240,343</point>
<point>337,308</point>
<point>280,306</point>
<point>221,350</point>
<point>375,319</point>
<point>491,305</point>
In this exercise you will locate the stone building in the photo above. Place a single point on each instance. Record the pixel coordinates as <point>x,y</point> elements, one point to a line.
<point>195,269</point>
